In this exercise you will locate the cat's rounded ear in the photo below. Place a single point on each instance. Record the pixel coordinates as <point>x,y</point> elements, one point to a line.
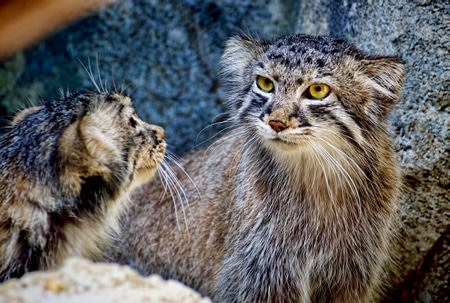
<point>97,135</point>
<point>238,54</point>
<point>88,148</point>
<point>385,75</point>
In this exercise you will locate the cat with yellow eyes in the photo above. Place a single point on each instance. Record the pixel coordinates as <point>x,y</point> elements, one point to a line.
<point>298,201</point>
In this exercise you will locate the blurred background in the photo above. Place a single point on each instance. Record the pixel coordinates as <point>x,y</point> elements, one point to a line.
<point>166,55</point>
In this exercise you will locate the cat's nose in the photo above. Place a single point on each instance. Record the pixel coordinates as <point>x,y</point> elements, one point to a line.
<point>157,132</point>
<point>277,125</point>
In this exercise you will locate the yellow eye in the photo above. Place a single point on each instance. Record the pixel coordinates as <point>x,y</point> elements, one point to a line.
<point>319,91</point>
<point>264,83</point>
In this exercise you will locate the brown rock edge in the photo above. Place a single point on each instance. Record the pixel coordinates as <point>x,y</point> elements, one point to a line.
<point>25,22</point>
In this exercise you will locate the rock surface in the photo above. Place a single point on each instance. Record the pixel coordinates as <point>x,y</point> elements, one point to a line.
<point>167,53</point>
<point>79,280</point>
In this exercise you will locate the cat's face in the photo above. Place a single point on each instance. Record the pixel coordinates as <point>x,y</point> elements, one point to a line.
<point>303,89</point>
<point>82,147</point>
<point>120,147</point>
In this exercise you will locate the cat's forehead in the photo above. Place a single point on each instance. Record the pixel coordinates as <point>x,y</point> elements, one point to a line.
<point>110,100</point>
<point>88,102</point>
<point>113,98</point>
<point>119,104</point>
<point>308,51</point>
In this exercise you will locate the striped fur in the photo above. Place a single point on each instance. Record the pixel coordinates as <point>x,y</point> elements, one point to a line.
<point>302,214</point>
<point>66,169</point>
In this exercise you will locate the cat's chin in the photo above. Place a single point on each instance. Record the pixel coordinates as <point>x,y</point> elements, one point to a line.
<point>142,176</point>
<point>281,145</point>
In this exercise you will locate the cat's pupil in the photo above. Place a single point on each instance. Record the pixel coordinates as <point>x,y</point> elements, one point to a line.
<point>318,88</point>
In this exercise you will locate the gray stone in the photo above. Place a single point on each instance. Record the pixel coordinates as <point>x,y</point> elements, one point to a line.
<point>167,54</point>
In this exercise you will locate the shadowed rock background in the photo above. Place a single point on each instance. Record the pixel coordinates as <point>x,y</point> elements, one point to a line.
<point>166,53</point>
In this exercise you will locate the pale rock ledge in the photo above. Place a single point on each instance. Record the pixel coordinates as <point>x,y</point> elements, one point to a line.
<point>80,280</point>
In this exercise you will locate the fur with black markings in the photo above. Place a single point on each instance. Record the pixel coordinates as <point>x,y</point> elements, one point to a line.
<point>66,169</point>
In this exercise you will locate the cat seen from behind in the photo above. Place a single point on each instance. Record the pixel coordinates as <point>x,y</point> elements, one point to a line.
<point>66,170</point>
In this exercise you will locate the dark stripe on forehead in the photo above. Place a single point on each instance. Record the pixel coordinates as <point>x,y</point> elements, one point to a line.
<point>324,73</point>
<point>111,98</point>
<point>320,62</point>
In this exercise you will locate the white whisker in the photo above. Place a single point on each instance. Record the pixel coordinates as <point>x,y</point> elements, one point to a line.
<point>177,192</point>
<point>172,158</point>
<point>246,146</point>
<point>167,183</point>
<point>338,135</point>
<point>181,193</point>
<point>99,76</point>
<point>316,154</point>
<point>216,134</point>
<point>343,172</point>
<point>90,74</point>
<point>355,167</point>
<point>230,136</point>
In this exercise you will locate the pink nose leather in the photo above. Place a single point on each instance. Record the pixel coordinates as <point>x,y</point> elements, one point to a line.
<point>277,125</point>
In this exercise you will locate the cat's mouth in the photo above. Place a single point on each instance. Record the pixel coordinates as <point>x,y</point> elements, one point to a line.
<point>278,140</point>
<point>279,143</point>
<point>288,139</point>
